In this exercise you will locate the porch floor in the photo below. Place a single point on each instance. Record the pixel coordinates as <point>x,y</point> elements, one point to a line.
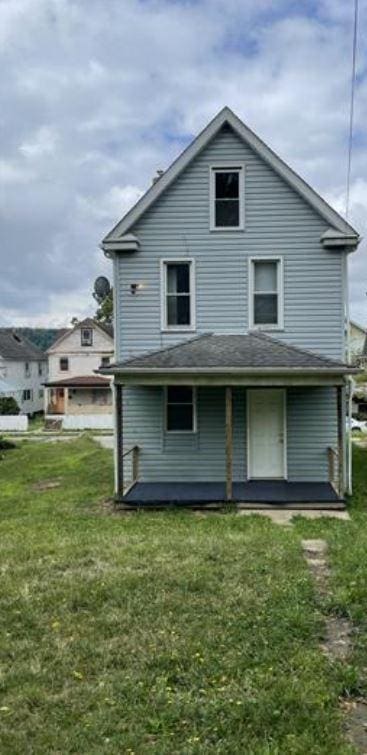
<point>259,493</point>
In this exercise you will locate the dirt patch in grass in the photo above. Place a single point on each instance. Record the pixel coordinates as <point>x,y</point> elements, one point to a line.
<point>46,485</point>
<point>356,723</point>
<point>338,630</point>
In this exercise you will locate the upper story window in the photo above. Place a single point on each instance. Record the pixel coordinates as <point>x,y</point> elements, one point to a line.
<point>227,185</point>
<point>178,306</point>
<point>40,368</point>
<point>64,364</point>
<point>180,409</point>
<point>266,293</point>
<point>86,336</point>
<point>27,369</point>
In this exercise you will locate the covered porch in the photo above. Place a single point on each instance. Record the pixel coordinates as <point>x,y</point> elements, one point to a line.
<point>270,426</point>
<point>85,394</point>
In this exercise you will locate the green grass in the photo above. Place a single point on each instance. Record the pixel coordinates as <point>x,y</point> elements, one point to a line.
<point>161,633</point>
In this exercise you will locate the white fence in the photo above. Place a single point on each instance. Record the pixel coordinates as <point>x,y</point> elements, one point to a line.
<point>13,422</point>
<point>87,422</point>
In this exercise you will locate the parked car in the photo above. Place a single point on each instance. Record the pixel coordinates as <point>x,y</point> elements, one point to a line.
<point>356,424</point>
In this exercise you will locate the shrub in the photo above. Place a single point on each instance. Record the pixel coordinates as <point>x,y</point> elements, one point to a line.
<point>8,405</point>
<point>6,444</point>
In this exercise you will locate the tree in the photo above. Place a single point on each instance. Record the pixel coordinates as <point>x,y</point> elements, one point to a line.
<point>104,312</point>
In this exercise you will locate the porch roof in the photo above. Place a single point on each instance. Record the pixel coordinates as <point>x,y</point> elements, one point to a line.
<point>81,381</point>
<point>235,355</point>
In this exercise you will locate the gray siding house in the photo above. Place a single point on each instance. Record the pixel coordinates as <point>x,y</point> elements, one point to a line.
<point>230,319</point>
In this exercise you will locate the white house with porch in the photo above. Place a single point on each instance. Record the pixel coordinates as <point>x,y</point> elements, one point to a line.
<point>74,393</point>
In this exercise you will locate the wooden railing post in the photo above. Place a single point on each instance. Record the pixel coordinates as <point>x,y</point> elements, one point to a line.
<point>135,463</point>
<point>229,443</point>
<point>119,491</point>
<point>339,408</point>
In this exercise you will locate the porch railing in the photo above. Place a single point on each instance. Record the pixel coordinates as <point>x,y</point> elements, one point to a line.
<point>130,461</point>
<point>333,464</point>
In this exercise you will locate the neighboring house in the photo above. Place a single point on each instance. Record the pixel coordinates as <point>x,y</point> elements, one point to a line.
<point>24,368</point>
<point>72,386</point>
<point>357,340</point>
<point>230,294</point>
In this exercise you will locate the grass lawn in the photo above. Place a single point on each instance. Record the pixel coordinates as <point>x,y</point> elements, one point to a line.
<point>164,633</point>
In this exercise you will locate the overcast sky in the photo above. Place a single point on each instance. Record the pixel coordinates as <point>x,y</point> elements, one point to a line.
<point>95,95</point>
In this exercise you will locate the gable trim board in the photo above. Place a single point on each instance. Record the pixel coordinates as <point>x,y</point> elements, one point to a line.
<point>347,236</point>
<point>87,323</point>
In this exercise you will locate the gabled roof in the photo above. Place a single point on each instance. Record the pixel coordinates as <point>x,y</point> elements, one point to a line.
<point>17,347</point>
<point>226,117</point>
<point>88,322</point>
<point>241,353</point>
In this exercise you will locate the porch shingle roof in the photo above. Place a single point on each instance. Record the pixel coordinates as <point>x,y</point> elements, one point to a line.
<point>80,381</point>
<point>249,351</point>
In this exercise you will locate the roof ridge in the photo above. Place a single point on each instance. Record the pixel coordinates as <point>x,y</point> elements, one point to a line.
<point>166,348</point>
<point>266,336</point>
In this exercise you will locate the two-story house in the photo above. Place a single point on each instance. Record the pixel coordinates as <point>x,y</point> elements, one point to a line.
<point>23,367</point>
<point>73,387</point>
<point>230,286</point>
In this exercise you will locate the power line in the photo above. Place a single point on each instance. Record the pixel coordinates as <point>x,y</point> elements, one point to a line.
<point>351,114</point>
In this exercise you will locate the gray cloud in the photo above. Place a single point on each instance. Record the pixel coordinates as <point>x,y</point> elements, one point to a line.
<point>97,95</point>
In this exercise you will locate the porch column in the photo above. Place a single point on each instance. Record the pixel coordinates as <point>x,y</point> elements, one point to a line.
<point>119,473</point>
<point>229,443</point>
<point>341,422</point>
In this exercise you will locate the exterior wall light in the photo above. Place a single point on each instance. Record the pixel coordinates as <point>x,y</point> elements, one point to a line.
<point>135,287</point>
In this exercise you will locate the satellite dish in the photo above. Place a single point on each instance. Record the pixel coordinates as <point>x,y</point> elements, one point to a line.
<point>102,287</point>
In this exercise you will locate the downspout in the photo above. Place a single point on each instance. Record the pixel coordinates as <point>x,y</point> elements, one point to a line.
<point>350,381</point>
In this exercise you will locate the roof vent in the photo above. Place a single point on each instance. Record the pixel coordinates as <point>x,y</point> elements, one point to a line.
<point>158,176</point>
<point>16,337</point>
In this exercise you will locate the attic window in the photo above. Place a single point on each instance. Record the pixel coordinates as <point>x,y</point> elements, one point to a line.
<point>227,197</point>
<point>86,336</point>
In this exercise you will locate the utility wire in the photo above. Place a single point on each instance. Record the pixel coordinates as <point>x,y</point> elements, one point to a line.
<point>351,114</point>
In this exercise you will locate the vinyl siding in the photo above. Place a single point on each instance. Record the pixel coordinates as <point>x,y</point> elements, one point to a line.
<point>311,428</point>
<point>277,222</point>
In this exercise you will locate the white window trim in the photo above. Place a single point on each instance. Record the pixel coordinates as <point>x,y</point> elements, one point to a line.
<point>84,330</point>
<point>165,328</point>
<point>280,290</point>
<point>66,369</point>
<point>195,413</point>
<point>219,166</point>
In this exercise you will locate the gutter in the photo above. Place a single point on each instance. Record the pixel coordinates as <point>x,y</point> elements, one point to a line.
<point>230,370</point>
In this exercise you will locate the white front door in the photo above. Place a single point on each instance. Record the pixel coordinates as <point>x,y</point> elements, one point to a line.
<point>266,434</point>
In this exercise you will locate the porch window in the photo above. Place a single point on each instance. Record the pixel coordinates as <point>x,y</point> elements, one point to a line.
<point>180,409</point>
<point>266,293</point>
<point>86,336</point>
<point>227,198</point>
<point>64,364</point>
<point>178,295</point>
<point>105,361</point>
